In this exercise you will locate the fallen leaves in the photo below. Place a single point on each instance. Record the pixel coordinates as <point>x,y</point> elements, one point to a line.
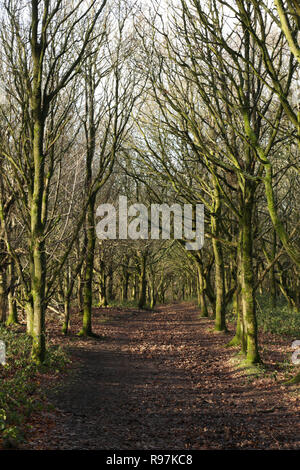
<point>160,380</point>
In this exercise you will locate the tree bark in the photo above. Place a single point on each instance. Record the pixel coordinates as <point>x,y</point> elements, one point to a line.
<point>220,306</point>
<point>248,298</point>
<point>201,290</point>
<point>86,329</point>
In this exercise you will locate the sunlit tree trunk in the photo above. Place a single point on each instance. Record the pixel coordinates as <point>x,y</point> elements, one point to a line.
<point>201,291</point>
<point>102,285</point>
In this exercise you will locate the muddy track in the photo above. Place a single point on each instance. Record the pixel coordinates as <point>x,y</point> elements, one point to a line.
<point>165,381</point>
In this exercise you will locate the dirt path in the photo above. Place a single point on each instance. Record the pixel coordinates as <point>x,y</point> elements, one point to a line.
<point>162,381</point>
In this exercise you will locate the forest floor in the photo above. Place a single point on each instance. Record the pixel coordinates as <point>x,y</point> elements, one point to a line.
<point>163,380</point>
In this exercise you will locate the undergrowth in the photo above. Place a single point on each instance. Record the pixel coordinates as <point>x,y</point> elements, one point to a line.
<point>281,319</point>
<point>20,393</point>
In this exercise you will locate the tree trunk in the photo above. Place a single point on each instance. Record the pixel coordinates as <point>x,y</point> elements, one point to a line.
<point>248,299</point>
<point>12,306</point>
<point>67,298</point>
<point>152,292</point>
<point>134,292</point>
<point>110,283</point>
<point>29,316</point>
<point>89,271</point>
<point>102,286</point>
<point>80,292</point>
<point>240,334</point>
<point>201,291</point>
<point>37,242</point>
<point>65,327</point>
<point>125,286</point>
<point>38,295</point>
<point>220,306</point>
<point>142,283</point>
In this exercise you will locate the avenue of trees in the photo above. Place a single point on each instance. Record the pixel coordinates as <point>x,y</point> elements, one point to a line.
<point>188,102</point>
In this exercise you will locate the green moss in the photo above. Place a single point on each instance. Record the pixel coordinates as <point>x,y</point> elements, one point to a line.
<point>294,381</point>
<point>236,341</point>
<point>248,369</point>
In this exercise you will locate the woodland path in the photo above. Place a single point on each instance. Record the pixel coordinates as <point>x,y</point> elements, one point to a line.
<point>163,380</point>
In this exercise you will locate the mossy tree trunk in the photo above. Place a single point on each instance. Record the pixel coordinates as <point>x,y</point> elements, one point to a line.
<point>80,293</point>
<point>201,284</point>
<point>90,234</point>
<point>220,305</point>
<point>247,276</point>
<point>239,338</point>
<point>79,283</point>
<point>67,299</point>
<point>86,329</point>
<point>29,315</point>
<point>39,265</point>
<point>37,242</point>
<point>69,282</point>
